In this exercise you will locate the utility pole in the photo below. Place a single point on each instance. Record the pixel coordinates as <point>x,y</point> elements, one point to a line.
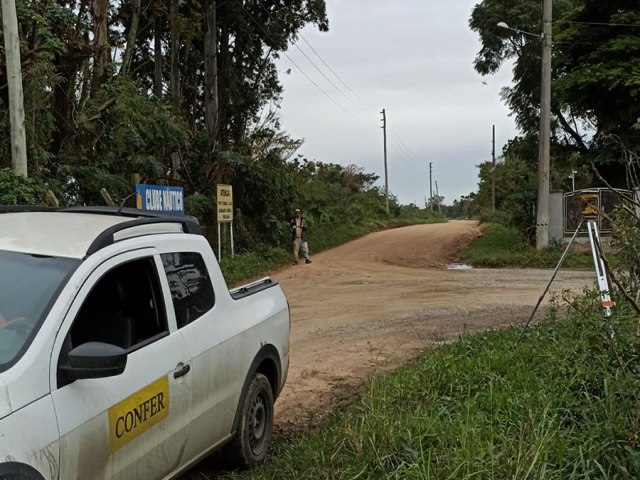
<point>431,184</point>
<point>438,199</point>
<point>542,211</point>
<point>14,82</point>
<point>493,175</point>
<point>386,174</point>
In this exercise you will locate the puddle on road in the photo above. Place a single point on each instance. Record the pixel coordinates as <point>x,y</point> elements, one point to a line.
<point>459,266</point>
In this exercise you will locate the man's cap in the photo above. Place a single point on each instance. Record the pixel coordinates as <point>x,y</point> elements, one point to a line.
<point>297,210</point>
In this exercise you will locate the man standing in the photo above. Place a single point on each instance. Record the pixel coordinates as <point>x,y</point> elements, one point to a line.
<point>298,227</point>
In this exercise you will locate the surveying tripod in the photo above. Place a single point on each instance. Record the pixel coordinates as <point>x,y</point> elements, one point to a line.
<point>590,219</point>
<point>602,274</point>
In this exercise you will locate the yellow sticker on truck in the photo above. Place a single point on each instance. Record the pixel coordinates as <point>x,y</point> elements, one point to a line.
<point>138,413</point>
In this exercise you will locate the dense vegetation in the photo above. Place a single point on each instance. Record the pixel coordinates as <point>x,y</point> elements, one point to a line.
<point>561,405</point>
<point>595,103</point>
<point>187,93</point>
<point>183,93</point>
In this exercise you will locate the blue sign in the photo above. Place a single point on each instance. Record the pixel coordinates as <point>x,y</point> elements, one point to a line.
<point>159,198</point>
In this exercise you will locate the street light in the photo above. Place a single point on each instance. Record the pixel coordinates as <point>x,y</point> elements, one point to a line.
<point>542,210</point>
<point>507,27</point>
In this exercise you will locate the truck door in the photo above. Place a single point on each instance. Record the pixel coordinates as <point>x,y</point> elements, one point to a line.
<point>131,425</point>
<point>215,348</point>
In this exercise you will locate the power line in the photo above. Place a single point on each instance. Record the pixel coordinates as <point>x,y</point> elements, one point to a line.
<point>295,44</point>
<point>332,71</point>
<point>294,63</point>
<point>270,14</point>
<point>405,153</point>
<point>409,153</point>
<point>402,155</point>
<point>325,76</point>
<point>601,24</point>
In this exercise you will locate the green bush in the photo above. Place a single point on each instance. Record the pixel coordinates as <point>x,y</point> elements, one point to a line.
<point>244,266</point>
<point>495,216</point>
<point>19,190</point>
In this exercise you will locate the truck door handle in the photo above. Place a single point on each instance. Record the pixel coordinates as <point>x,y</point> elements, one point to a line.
<point>182,371</point>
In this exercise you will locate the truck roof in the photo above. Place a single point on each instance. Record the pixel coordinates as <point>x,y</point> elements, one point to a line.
<point>79,232</point>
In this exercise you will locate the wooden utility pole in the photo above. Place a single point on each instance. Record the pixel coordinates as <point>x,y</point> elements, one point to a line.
<point>431,184</point>
<point>386,174</point>
<point>542,211</point>
<point>14,80</point>
<point>493,171</point>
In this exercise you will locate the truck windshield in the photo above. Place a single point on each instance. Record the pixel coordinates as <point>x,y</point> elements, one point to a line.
<point>28,285</point>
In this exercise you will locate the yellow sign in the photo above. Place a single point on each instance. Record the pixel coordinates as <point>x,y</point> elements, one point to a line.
<point>138,413</point>
<point>225,203</point>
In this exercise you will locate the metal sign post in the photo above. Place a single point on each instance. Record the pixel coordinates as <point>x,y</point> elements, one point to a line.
<point>224,202</point>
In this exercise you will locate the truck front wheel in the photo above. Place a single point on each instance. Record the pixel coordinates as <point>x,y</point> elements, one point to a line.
<point>252,440</point>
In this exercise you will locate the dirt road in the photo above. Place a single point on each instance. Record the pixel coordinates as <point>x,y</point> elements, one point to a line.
<point>374,304</point>
<point>377,302</point>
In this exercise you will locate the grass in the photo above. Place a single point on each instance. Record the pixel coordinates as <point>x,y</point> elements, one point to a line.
<point>247,265</point>
<point>503,246</point>
<point>563,405</point>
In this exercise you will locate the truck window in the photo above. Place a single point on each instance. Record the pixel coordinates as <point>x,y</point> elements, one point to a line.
<point>124,308</point>
<point>190,284</point>
<point>29,284</point>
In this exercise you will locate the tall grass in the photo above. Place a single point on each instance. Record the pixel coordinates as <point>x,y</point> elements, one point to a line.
<point>563,405</point>
<point>502,246</point>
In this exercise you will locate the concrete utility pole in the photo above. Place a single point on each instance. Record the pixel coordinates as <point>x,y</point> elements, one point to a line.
<point>493,174</point>
<point>542,212</point>
<point>431,184</point>
<point>14,80</point>
<point>386,174</point>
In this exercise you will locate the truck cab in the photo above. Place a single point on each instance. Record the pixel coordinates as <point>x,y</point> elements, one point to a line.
<point>123,354</point>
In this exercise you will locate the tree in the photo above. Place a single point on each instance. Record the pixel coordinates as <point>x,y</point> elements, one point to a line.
<point>596,82</point>
<point>592,91</point>
<point>14,80</point>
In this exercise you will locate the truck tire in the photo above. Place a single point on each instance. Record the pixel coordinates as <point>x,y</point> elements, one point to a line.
<point>18,471</point>
<point>255,427</point>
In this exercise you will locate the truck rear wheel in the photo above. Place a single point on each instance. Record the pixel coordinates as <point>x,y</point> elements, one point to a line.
<point>18,471</point>
<point>252,440</point>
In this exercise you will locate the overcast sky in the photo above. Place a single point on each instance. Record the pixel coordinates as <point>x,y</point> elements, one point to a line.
<point>413,58</point>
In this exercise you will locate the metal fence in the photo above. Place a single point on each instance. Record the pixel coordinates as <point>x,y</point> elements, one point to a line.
<point>603,200</point>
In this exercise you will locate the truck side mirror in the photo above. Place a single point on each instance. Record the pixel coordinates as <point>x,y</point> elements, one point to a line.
<point>95,360</point>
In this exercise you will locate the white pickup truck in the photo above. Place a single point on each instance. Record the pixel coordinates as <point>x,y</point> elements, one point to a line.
<point>123,355</point>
